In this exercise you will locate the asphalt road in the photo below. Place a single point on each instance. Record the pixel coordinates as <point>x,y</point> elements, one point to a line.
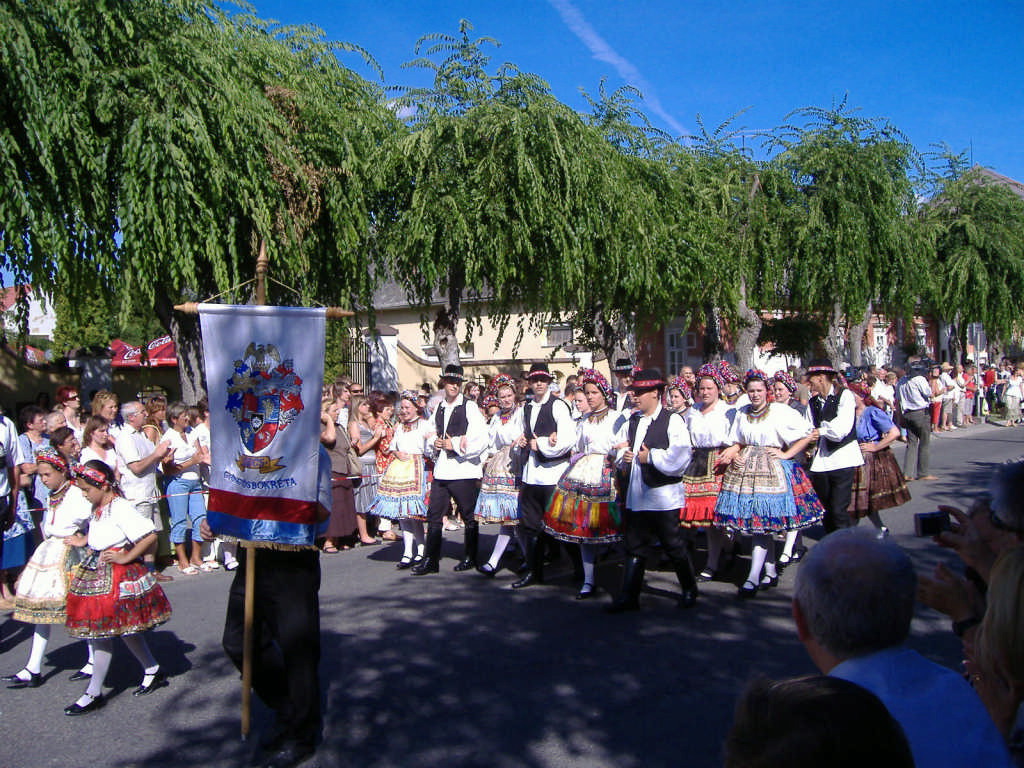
<point>458,670</point>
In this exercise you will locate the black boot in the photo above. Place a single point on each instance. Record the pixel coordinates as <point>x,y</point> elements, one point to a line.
<point>535,560</point>
<point>431,554</point>
<point>632,582</point>
<point>688,583</point>
<point>472,539</point>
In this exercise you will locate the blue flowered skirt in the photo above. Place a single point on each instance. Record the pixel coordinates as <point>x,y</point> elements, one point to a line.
<point>498,501</point>
<point>401,491</point>
<point>766,495</point>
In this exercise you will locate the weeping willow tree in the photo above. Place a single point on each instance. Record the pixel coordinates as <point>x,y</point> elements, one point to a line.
<point>154,143</point>
<point>507,201</point>
<point>847,231</point>
<point>977,221</point>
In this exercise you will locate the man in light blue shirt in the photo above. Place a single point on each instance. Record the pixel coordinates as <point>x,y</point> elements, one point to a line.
<point>853,603</point>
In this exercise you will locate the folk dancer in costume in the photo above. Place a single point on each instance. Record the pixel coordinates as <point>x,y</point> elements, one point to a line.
<point>112,594</point>
<point>623,371</point>
<point>402,488</point>
<point>461,438</point>
<point>42,589</point>
<point>834,414</point>
<point>679,396</point>
<point>586,506</point>
<point>498,501</point>
<point>549,433</point>
<point>764,492</point>
<point>732,385</point>
<point>879,483</point>
<point>709,423</point>
<point>655,453</point>
<point>783,388</point>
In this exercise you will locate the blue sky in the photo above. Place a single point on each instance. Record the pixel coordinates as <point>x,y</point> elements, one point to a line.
<point>940,71</point>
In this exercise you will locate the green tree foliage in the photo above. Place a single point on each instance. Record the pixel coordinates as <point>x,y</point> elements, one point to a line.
<point>159,140</point>
<point>978,226</point>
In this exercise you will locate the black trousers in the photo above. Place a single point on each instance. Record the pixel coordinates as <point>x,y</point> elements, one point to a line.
<point>533,503</point>
<point>641,529</point>
<point>834,490</point>
<point>464,492</point>
<point>286,636</point>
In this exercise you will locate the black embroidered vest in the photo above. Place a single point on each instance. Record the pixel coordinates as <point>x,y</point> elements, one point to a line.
<point>546,424</point>
<point>826,411</point>
<point>656,437</point>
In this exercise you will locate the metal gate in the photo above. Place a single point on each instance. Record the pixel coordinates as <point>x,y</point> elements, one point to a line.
<point>355,360</point>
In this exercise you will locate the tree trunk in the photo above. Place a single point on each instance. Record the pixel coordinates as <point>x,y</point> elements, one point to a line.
<point>712,333</point>
<point>748,330</point>
<point>188,347</point>
<point>446,323</point>
<point>857,331</point>
<point>833,342</point>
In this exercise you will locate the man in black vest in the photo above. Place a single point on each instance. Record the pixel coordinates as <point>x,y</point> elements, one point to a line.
<point>461,439</point>
<point>654,450</point>
<point>550,434</point>
<point>834,412</point>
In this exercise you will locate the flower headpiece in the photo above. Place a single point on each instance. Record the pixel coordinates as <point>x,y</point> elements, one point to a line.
<point>728,373</point>
<point>678,382</point>
<point>499,381</point>
<point>756,374</point>
<point>590,376</point>
<point>92,476</point>
<point>786,380</point>
<point>710,371</point>
<point>54,459</point>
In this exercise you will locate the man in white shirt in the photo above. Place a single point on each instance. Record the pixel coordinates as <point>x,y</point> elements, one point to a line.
<point>550,434</point>
<point>457,449</point>
<point>8,476</point>
<point>914,397</point>
<point>654,450</point>
<point>141,461</point>
<point>623,371</point>
<point>834,413</point>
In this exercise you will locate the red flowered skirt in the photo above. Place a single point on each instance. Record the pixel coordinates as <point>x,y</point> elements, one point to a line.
<point>109,599</point>
<point>878,484</point>
<point>702,481</point>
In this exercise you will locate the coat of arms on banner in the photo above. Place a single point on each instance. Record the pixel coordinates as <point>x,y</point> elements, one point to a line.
<point>264,398</point>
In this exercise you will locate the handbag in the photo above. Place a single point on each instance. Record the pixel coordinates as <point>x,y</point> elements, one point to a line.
<point>517,458</point>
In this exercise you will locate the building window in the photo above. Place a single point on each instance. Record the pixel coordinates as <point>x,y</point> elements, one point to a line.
<point>557,335</point>
<point>677,343</point>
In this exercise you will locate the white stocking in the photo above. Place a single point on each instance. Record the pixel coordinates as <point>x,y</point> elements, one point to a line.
<point>758,554</point>
<point>792,539</point>
<point>716,542</point>
<point>500,544</point>
<point>102,650</point>
<point>39,640</point>
<point>588,554</point>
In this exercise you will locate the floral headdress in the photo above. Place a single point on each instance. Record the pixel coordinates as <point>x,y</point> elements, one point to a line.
<point>590,376</point>
<point>757,374</point>
<point>678,382</point>
<point>786,380</point>
<point>710,371</point>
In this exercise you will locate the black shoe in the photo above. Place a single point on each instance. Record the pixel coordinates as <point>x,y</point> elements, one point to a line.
<point>75,709</point>
<point>79,675</point>
<point>289,755</point>
<point>528,578</point>
<point>425,567</point>
<point>688,598</point>
<point>466,565</point>
<point>783,561</point>
<point>405,562</point>
<point>487,570</point>
<point>159,681</point>
<point>587,590</point>
<point>16,683</point>
<point>706,575</point>
<point>767,582</point>
<point>746,591</point>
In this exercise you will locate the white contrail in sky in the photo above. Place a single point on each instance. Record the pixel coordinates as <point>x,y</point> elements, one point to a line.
<point>602,51</point>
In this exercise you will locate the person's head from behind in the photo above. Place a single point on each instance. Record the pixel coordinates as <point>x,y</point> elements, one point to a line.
<point>854,595</point>
<point>997,667</point>
<point>813,722</point>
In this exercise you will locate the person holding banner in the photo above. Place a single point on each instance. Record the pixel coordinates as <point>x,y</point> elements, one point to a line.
<point>402,488</point>
<point>461,438</point>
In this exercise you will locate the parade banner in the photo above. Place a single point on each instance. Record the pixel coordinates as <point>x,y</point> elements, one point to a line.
<point>264,368</point>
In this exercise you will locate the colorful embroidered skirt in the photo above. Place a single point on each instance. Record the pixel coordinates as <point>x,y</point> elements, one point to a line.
<point>878,484</point>
<point>401,491</point>
<point>584,508</point>
<point>42,588</point>
<point>702,481</point>
<point>108,599</point>
<point>498,501</point>
<point>766,495</point>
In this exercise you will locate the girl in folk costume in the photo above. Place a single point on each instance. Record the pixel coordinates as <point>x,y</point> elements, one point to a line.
<point>783,387</point>
<point>585,508</point>
<point>709,422</point>
<point>498,501</point>
<point>879,483</point>
<point>764,491</point>
<point>679,396</point>
<point>41,592</point>
<point>732,385</point>
<point>402,488</point>
<point>112,594</point>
